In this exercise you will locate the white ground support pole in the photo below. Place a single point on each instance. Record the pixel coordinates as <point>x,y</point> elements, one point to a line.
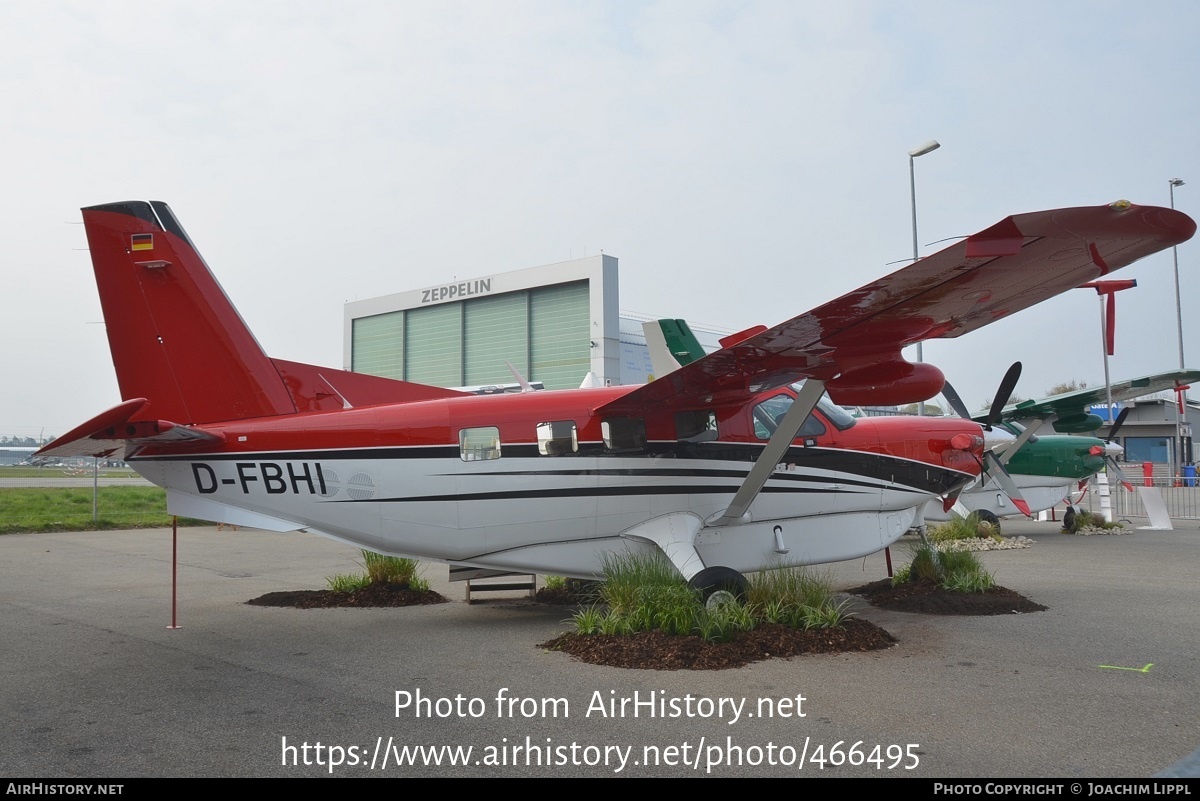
<point>1105,500</point>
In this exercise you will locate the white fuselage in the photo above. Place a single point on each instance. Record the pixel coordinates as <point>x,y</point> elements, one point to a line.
<point>544,515</point>
<point>1040,492</point>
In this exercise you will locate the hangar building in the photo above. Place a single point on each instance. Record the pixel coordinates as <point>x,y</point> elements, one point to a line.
<point>554,323</point>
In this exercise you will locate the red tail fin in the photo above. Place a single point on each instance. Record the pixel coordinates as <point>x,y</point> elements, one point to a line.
<point>176,339</point>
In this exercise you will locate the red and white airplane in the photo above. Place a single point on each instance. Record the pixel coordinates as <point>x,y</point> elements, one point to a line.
<point>721,465</point>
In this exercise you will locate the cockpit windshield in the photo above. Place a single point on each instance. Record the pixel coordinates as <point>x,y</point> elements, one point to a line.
<point>834,413</point>
<point>768,414</point>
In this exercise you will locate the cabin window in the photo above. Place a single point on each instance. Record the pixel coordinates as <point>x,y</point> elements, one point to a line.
<point>557,438</point>
<point>769,413</point>
<point>479,444</point>
<point>623,434</point>
<point>696,426</point>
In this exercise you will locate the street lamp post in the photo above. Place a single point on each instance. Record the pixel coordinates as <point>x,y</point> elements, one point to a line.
<point>928,147</point>
<point>1185,443</point>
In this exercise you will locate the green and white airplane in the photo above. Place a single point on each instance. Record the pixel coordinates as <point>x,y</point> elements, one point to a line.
<point>1046,469</point>
<point>1026,473</point>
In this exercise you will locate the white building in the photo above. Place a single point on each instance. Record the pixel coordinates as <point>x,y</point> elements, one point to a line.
<point>553,323</point>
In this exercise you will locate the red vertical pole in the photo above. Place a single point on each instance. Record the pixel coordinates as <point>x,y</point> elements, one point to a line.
<point>174,566</point>
<point>887,554</point>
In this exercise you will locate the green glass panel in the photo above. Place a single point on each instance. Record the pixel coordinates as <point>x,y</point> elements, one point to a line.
<point>558,318</point>
<point>434,339</point>
<point>497,330</point>
<point>377,345</point>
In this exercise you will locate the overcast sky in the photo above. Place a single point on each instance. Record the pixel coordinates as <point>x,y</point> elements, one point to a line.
<point>745,161</point>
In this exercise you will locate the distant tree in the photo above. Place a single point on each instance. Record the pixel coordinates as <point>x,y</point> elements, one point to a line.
<point>931,409</point>
<point>1059,389</point>
<point>1012,399</point>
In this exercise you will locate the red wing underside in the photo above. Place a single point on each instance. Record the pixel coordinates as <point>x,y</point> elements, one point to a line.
<point>854,343</point>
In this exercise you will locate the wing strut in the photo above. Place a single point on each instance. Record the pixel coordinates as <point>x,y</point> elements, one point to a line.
<point>773,453</point>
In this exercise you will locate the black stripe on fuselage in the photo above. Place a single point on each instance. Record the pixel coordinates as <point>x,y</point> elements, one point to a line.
<point>874,468</point>
<point>678,472</point>
<point>594,492</point>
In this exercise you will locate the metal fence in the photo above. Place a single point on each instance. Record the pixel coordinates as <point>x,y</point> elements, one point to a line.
<point>1180,494</point>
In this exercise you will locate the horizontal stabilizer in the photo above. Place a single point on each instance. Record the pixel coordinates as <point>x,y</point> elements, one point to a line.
<point>323,389</point>
<point>112,434</point>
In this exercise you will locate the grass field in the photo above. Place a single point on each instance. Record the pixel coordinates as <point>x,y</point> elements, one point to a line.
<point>58,472</point>
<point>70,509</point>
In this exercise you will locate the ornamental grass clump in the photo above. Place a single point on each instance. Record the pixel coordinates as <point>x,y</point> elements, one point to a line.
<point>381,569</point>
<point>956,571</point>
<point>645,593</point>
<point>963,528</point>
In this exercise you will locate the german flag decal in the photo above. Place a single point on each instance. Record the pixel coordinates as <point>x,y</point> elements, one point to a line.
<point>141,242</point>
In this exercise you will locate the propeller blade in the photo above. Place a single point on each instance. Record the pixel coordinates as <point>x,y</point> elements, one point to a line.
<point>1112,465</point>
<point>955,401</point>
<point>1003,393</point>
<point>1116,426</point>
<point>997,471</point>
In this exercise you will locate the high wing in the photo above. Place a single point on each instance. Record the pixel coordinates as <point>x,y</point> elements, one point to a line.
<point>853,344</point>
<point>1070,409</point>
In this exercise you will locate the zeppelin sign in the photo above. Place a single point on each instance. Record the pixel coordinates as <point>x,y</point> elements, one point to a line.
<point>462,289</point>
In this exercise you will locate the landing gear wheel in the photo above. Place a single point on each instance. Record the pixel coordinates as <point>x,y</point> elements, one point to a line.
<point>987,517</point>
<point>1069,522</point>
<point>720,585</point>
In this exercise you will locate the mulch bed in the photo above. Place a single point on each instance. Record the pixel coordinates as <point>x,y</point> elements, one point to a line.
<point>565,596</point>
<point>928,598</point>
<point>656,650</point>
<point>373,595</point>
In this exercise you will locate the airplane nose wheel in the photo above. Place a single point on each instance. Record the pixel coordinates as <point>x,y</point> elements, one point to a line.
<point>1070,520</point>
<point>987,517</point>
<point>720,585</point>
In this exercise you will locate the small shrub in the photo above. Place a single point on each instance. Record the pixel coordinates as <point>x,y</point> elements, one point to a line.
<point>960,571</point>
<point>963,572</point>
<point>587,621</point>
<point>1095,520</point>
<point>962,528</point>
<point>716,624</point>
<point>924,565</point>
<point>555,582</point>
<point>795,584</point>
<point>614,623</point>
<point>775,611</point>
<point>380,569</point>
<point>347,582</point>
<point>969,582</point>
<point>629,574</point>
<point>829,615</point>
<point>677,619</point>
<point>388,569</point>
<point>645,592</point>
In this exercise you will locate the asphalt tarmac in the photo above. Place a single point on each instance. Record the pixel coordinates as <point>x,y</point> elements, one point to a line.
<point>93,684</point>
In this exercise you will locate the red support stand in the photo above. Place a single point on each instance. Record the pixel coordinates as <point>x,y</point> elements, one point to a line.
<point>174,568</point>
